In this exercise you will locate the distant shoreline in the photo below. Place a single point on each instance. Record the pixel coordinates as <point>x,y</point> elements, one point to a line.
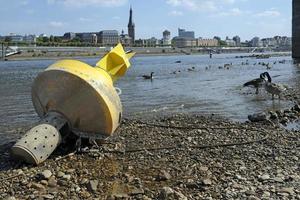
<point>79,55</point>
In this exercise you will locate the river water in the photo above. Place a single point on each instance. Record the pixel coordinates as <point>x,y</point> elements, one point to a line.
<point>205,90</point>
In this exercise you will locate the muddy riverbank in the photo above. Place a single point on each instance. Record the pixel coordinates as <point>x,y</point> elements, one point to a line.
<point>175,157</point>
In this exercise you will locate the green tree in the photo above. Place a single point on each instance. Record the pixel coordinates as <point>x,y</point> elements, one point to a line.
<point>45,39</point>
<point>51,38</point>
<point>222,43</point>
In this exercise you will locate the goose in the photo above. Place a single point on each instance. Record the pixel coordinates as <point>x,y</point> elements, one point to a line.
<point>256,83</point>
<point>148,76</point>
<point>272,88</point>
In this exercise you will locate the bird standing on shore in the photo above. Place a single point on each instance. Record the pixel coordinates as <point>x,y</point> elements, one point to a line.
<point>148,76</point>
<point>272,88</point>
<point>256,83</point>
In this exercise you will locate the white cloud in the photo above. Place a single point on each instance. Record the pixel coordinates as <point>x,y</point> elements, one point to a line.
<point>232,12</point>
<point>84,19</point>
<point>56,24</point>
<point>195,5</point>
<point>268,13</point>
<point>116,17</point>
<point>81,3</point>
<point>175,13</point>
<point>200,5</point>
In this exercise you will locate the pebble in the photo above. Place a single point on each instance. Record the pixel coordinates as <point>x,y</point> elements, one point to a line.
<point>92,185</point>
<point>206,182</point>
<point>52,182</point>
<point>38,186</point>
<point>60,174</point>
<point>163,176</point>
<point>48,196</point>
<point>46,174</point>
<point>286,190</point>
<point>264,177</point>
<point>67,176</point>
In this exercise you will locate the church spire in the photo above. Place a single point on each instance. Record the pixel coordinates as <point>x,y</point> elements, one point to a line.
<point>131,26</point>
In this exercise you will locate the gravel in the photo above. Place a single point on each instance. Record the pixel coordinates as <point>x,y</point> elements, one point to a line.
<point>174,157</point>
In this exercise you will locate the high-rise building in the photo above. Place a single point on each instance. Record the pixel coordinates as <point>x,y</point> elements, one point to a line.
<point>255,42</point>
<point>237,40</point>
<point>166,38</point>
<point>131,27</point>
<point>186,34</point>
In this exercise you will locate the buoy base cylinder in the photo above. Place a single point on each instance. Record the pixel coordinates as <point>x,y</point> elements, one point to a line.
<point>40,141</point>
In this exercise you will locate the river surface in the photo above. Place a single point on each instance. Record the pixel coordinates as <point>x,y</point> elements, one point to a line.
<point>205,90</point>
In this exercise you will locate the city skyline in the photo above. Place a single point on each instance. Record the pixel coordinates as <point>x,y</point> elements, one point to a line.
<point>226,18</point>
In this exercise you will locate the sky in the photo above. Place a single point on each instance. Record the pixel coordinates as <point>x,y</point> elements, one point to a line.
<point>208,18</point>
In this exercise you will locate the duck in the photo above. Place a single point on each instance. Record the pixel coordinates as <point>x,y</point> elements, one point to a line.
<point>191,69</point>
<point>256,83</point>
<point>148,76</point>
<point>272,88</point>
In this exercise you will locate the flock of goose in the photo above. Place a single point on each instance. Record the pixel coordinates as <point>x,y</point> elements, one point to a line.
<point>264,80</point>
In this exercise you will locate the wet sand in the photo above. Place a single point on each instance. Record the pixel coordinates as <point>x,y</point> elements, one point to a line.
<point>175,157</point>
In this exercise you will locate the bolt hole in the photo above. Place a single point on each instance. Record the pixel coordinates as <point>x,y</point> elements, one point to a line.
<point>44,146</point>
<point>55,126</point>
<point>34,148</point>
<point>47,155</point>
<point>25,142</point>
<point>36,131</point>
<point>45,127</point>
<point>46,137</point>
<point>47,121</point>
<point>53,135</point>
<point>35,138</point>
<point>41,157</point>
<point>51,145</point>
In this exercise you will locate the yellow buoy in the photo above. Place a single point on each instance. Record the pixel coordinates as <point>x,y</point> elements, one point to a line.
<point>73,92</point>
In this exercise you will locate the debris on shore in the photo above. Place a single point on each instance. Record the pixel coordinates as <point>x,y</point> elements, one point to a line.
<point>175,157</point>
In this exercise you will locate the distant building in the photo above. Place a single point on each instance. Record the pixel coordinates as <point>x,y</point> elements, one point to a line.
<point>230,42</point>
<point>108,37</point>
<point>166,41</point>
<point>182,42</point>
<point>16,38</point>
<point>125,39</point>
<point>255,42</point>
<point>185,34</point>
<point>69,36</point>
<point>131,27</point>
<point>277,41</point>
<point>237,40</point>
<point>207,42</point>
<point>217,38</point>
<point>29,38</point>
<point>43,35</point>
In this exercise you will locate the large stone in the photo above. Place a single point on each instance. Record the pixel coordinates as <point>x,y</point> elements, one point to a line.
<point>258,117</point>
<point>46,174</point>
<point>93,185</point>
<point>163,176</point>
<point>38,186</point>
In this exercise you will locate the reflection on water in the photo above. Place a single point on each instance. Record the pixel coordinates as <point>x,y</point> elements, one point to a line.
<point>205,90</point>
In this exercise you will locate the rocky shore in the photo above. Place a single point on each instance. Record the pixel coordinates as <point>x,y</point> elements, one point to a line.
<point>175,157</point>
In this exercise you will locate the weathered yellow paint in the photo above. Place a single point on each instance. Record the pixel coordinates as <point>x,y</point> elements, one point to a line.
<point>85,95</point>
<point>116,62</point>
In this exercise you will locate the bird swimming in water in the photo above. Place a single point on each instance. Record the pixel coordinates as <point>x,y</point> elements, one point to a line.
<point>148,76</point>
<point>256,83</point>
<point>272,88</point>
